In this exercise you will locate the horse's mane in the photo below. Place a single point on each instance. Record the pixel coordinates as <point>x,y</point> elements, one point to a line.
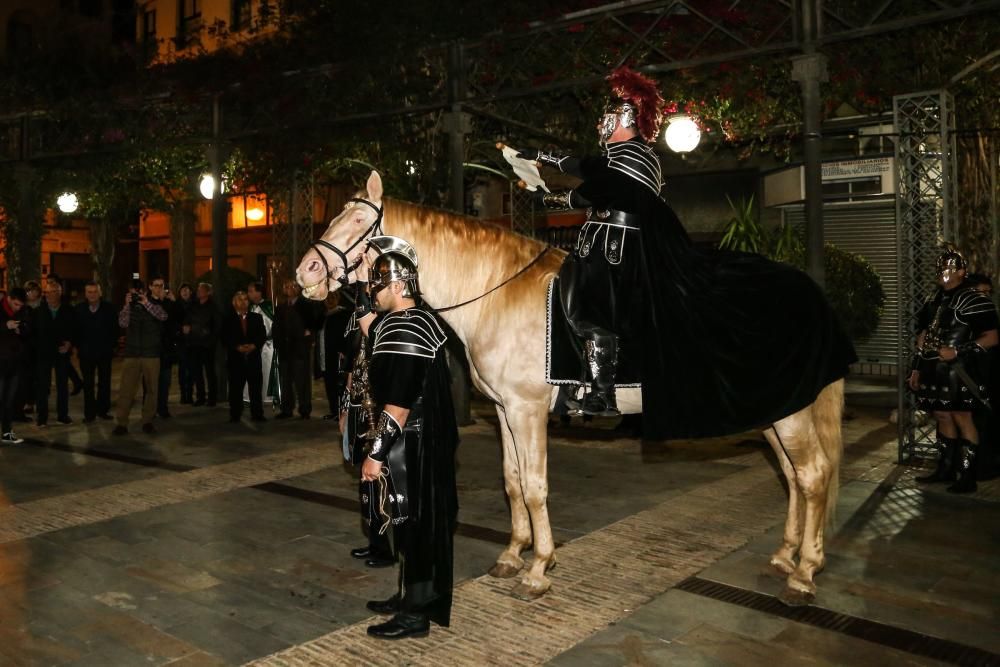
<point>452,230</point>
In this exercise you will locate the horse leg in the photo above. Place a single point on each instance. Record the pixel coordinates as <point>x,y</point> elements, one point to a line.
<point>783,560</point>
<point>813,474</point>
<point>527,422</point>
<point>509,563</point>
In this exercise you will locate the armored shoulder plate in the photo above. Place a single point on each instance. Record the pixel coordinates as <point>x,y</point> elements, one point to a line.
<point>638,161</point>
<point>412,331</point>
<point>971,302</point>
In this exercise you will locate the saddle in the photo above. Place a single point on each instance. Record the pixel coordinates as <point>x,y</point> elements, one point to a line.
<point>565,366</point>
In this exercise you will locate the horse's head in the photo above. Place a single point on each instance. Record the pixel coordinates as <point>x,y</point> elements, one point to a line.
<point>333,260</point>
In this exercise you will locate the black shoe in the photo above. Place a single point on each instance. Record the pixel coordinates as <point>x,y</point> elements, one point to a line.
<point>361,552</point>
<point>106,417</point>
<point>283,415</point>
<point>76,390</point>
<point>42,424</point>
<point>164,415</point>
<point>89,420</point>
<point>148,428</point>
<point>305,416</point>
<point>401,626</point>
<point>119,430</point>
<point>380,560</point>
<point>64,420</point>
<point>329,416</point>
<point>390,606</point>
<point>200,402</point>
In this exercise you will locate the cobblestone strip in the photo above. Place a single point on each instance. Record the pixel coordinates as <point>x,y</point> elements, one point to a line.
<point>601,578</point>
<point>33,518</point>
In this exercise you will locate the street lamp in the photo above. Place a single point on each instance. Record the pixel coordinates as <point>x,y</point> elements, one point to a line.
<point>206,185</point>
<point>682,134</point>
<point>68,202</point>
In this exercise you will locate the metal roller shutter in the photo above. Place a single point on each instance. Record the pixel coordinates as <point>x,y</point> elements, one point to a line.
<point>870,231</point>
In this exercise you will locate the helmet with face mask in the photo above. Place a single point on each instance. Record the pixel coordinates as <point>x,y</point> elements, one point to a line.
<point>950,262</point>
<point>397,260</point>
<point>635,102</point>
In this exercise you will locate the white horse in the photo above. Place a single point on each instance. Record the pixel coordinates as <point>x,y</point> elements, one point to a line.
<point>504,336</point>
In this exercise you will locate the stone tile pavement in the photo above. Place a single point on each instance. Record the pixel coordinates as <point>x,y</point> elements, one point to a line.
<point>211,544</point>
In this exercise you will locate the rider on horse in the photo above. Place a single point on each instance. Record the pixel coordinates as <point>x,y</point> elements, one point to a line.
<point>721,341</point>
<point>606,259</point>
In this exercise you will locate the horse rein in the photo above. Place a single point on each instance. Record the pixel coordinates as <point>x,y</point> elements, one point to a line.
<point>509,280</point>
<point>349,267</point>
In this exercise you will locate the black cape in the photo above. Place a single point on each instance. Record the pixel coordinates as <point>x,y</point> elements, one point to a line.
<point>727,341</point>
<point>426,538</point>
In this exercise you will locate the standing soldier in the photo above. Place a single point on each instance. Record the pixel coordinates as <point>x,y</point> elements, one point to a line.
<point>411,455</point>
<point>958,324</point>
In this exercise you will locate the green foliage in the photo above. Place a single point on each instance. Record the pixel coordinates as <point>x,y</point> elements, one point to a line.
<point>852,284</point>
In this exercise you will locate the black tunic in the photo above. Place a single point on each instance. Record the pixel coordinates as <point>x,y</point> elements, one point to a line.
<point>951,318</point>
<point>725,341</point>
<point>408,369</point>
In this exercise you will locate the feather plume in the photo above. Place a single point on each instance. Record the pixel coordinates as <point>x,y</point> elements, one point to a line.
<point>641,91</point>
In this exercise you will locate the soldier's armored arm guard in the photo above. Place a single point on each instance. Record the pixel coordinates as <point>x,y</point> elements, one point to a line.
<point>386,434</point>
<point>362,303</point>
<point>562,200</point>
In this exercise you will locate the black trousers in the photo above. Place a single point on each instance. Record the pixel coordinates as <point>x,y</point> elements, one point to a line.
<point>245,370</point>
<point>43,383</point>
<point>203,373</point>
<point>99,402</point>
<point>184,376</point>
<point>9,380</point>
<point>166,366</point>
<point>295,376</point>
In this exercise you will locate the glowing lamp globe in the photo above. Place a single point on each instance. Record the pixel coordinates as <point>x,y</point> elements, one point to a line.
<point>682,134</point>
<point>255,214</point>
<point>207,186</point>
<point>68,202</point>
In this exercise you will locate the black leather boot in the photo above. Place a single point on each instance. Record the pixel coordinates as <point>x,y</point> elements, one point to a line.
<point>945,470</point>
<point>601,354</point>
<point>400,626</point>
<point>966,469</point>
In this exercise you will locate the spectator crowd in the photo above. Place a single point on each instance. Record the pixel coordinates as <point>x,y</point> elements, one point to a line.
<point>271,354</point>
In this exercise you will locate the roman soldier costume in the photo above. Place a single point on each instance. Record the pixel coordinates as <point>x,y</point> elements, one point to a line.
<point>954,318</point>
<point>723,341</point>
<point>407,369</point>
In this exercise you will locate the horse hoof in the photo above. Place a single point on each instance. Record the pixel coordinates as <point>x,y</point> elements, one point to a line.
<point>780,568</point>
<point>527,592</point>
<point>504,570</point>
<point>796,598</point>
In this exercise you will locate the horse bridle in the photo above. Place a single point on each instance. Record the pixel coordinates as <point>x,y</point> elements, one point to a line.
<point>342,255</point>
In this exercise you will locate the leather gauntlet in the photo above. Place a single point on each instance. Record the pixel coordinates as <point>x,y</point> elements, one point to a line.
<point>560,201</point>
<point>971,347</point>
<point>386,434</point>
<point>362,302</point>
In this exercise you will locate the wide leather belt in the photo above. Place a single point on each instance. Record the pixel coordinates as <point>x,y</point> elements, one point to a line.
<point>612,217</point>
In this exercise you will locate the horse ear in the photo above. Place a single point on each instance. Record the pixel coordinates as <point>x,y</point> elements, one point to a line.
<point>374,186</point>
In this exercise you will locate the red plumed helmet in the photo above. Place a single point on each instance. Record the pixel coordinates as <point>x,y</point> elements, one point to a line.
<point>641,91</point>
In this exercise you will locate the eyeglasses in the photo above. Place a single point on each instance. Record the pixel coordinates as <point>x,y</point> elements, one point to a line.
<point>157,285</point>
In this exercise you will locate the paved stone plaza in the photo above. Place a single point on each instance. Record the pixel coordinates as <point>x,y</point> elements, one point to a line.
<point>216,544</point>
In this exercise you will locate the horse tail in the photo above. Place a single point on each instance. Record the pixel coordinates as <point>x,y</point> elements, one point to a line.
<point>828,411</point>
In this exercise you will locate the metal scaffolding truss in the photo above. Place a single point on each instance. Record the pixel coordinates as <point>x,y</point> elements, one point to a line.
<point>925,204</point>
<point>522,210</point>
<point>292,229</point>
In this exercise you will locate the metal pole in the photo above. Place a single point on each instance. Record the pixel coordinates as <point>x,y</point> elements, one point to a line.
<point>220,240</point>
<point>457,126</point>
<point>809,70</point>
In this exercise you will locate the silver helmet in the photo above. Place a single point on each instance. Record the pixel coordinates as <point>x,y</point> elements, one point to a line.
<point>616,112</point>
<point>397,260</point>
